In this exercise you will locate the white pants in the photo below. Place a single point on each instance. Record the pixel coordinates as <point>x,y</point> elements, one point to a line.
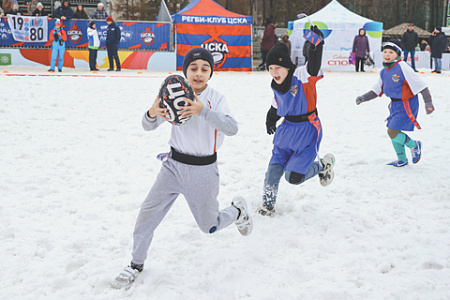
<point>200,187</point>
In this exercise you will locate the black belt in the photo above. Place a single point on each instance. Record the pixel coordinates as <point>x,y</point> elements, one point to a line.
<point>300,118</point>
<point>395,99</point>
<point>193,160</point>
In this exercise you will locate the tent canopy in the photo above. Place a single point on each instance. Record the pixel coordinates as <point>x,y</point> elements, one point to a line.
<point>339,26</point>
<point>209,12</point>
<point>227,35</point>
<point>399,30</point>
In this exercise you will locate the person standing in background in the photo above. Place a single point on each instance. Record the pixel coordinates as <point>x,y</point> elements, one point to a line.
<point>32,6</point>
<point>100,13</point>
<point>39,11</point>
<point>438,43</point>
<point>361,49</point>
<point>285,40</point>
<point>267,42</point>
<point>410,39</point>
<point>94,43</point>
<point>112,43</point>
<point>64,12</point>
<point>80,13</point>
<point>58,37</point>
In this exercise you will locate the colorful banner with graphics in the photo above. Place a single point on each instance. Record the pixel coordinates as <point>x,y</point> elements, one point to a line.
<point>227,35</point>
<point>28,29</point>
<point>135,35</point>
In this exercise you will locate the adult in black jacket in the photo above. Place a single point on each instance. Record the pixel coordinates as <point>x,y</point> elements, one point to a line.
<point>438,43</point>
<point>112,43</point>
<point>410,39</point>
<point>39,11</point>
<point>80,13</point>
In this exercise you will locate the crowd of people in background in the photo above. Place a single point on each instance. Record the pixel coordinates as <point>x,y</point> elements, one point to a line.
<point>61,11</point>
<point>436,44</point>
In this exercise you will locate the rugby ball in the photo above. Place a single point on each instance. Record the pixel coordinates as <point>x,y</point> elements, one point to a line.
<point>173,92</point>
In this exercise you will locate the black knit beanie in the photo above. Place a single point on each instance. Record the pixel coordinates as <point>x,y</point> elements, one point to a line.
<point>279,55</point>
<point>394,45</point>
<point>198,53</point>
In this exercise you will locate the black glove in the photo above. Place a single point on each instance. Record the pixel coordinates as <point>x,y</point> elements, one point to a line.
<point>316,30</point>
<point>271,120</point>
<point>56,36</point>
<point>319,33</point>
<point>271,127</point>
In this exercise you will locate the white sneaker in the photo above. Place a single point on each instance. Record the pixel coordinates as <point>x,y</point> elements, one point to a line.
<point>125,278</point>
<point>326,176</point>
<point>244,222</point>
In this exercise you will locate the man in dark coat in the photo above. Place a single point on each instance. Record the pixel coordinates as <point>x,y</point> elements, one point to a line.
<point>361,49</point>
<point>267,42</point>
<point>112,43</point>
<point>410,39</point>
<point>438,43</point>
<point>64,12</point>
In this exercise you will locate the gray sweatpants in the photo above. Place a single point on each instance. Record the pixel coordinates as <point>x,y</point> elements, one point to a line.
<point>200,187</point>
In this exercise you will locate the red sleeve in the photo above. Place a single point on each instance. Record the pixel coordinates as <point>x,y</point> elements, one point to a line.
<point>309,88</point>
<point>51,38</point>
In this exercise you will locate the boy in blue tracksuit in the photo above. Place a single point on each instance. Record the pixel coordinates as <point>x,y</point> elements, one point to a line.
<point>58,37</point>
<point>297,139</point>
<point>399,82</point>
<point>112,43</point>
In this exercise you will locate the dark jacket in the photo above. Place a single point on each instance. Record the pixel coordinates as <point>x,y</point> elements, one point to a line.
<point>438,44</point>
<point>410,39</point>
<point>268,39</point>
<point>40,13</point>
<point>80,14</point>
<point>361,44</point>
<point>113,35</point>
<point>62,11</point>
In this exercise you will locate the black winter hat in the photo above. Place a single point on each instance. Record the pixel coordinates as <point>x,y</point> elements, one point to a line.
<point>198,53</point>
<point>91,24</point>
<point>279,55</point>
<point>394,45</point>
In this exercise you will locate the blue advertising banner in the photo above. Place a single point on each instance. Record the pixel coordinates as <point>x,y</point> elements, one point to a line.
<point>135,35</point>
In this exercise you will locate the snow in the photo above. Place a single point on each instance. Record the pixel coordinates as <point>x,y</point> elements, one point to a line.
<point>76,166</point>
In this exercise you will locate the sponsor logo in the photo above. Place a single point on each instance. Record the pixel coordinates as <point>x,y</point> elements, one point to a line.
<point>218,49</point>
<point>338,60</point>
<point>294,90</point>
<point>396,77</point>
<point>148,37</point>
<point>74,34</point>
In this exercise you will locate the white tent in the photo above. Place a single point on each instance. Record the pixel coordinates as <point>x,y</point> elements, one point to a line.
<point>340,26</point>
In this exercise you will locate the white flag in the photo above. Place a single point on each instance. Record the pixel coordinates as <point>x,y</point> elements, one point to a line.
<point>28,29</point>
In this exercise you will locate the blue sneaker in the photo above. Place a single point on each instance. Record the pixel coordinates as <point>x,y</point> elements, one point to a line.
<point>416,152</point>
<point>398,163</point>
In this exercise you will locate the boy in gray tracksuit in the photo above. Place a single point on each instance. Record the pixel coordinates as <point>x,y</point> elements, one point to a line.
<point>191,169</point>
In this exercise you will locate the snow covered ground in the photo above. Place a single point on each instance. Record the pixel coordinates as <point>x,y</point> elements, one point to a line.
<point>76,165</point>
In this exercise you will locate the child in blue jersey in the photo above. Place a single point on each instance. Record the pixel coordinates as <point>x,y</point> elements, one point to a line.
<point>297,139</point>
<point>399,82</point>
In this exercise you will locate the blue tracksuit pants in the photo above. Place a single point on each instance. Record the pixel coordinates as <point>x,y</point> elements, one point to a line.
<point>57,53</point>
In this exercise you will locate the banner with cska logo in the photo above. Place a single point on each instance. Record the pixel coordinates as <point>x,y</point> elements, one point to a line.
<point>227,35</point>
<point>135,35</point>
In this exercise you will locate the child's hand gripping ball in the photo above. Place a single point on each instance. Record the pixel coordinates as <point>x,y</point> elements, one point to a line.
<point>173,92</point>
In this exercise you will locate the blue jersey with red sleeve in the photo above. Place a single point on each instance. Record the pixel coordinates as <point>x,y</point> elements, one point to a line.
<point>402,85</point>
<point>296,143</point>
